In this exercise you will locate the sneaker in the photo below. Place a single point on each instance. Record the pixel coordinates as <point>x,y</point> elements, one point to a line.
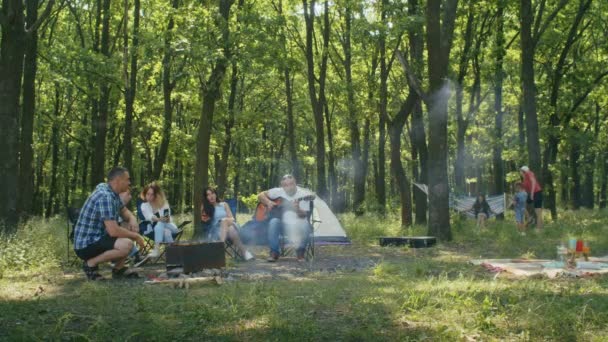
<point>273,257</point>
<point>154,254</point>
<point>92,272</point>
<point>248,256</point>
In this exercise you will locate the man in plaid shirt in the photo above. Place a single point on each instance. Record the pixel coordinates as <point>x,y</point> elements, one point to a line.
<point>97,235</point>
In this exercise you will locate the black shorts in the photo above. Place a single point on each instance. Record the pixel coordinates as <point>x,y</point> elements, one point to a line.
<point>538,200</point>
<point>106,243</point>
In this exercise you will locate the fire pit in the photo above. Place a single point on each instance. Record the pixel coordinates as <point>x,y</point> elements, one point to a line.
<point>194,256</point>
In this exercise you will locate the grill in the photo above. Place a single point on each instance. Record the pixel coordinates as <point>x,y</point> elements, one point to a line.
<point>194,256</point>
<point>412,241</point>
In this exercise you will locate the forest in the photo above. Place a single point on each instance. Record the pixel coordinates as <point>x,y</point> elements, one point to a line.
<point>358,99</point>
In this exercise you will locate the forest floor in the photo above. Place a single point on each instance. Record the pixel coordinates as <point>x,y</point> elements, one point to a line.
<point>357,292</point>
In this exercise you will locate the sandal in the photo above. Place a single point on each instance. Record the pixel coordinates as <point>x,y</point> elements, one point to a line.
<point>92,273</point>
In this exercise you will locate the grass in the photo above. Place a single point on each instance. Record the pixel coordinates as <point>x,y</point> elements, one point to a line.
<point>414,295</point>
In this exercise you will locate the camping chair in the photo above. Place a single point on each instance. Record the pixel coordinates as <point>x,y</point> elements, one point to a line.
<point>73,214</point>
<point>287,248</point>
<point>230,248</point>
<point>149,235</point>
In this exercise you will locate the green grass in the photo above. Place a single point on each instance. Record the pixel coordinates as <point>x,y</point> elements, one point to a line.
<point>412,295</point>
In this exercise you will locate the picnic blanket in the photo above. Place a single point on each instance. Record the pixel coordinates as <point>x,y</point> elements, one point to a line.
<point>549,268</point>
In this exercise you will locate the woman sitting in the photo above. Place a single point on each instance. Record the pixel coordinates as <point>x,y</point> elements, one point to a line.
<point>219,222</point>
<point>482,209</point>
<point>157,215</point>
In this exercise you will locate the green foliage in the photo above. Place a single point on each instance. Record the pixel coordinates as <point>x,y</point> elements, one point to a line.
<point>35,246</point>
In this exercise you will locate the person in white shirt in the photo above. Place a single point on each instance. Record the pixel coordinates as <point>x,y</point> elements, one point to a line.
<point>289,207</point>
<point>157,214</point>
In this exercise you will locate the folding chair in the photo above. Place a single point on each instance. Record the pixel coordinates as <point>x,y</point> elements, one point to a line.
<point>230,248</point>
<point>287,248</point>
<point>72,216</point>
<point>149,235</point>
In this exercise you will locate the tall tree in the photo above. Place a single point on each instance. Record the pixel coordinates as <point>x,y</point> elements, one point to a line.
<point>100,121</point>
<point>439,33</point>
<point>130,79</point>
<point>12,50</point>
<point>532,28</point>
<point>210,93</point>
<point>316,99</point>
<point>499,54</point>
<point>551,150</point>
<point>26,152</point>
<point>168,86</point>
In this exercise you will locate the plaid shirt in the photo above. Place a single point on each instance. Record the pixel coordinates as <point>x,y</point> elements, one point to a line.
<point>103,204</point>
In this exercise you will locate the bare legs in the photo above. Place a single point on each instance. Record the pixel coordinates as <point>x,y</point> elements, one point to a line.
<point>481,221</point>
<point>119,254</point>
<point>228,230</point>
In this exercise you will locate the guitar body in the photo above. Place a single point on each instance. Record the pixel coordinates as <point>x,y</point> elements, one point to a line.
<point>262,212</point>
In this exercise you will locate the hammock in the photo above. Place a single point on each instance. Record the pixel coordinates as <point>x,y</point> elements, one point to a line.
<point>464,204</point>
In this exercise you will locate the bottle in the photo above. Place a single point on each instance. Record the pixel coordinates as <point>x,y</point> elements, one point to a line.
<point>561,252</point>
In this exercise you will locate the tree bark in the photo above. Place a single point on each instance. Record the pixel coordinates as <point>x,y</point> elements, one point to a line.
<point>553,139</point>
<point>499,50</point>
<point>100,122</point>
<point>210,93</point>
<point>12,48</point>
<point>439,42</point>
<point>222,167</point>
<point>462,123</point>
<point>168,86</point>
<point>54,154</point>
<point>131,83</point>
<point>317,99</point>
<point>357,175</point>
<point>396,126</point>
<point>26,152</point>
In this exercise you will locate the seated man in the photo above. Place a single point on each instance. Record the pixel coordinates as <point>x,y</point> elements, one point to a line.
<point>288,208</point>
<point>97,235</point>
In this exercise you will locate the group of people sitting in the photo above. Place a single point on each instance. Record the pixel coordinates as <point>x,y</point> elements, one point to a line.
<point>100,237</point>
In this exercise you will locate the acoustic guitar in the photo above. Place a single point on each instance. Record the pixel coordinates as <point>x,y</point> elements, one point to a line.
<point>262,212</point>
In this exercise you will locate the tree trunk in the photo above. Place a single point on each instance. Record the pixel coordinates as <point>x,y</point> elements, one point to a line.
<point>462,123</point>
<point>222,168</point>
<point>131,83</point>
<point>210,93</point>
<point>383,114</point>
<point>101,121</point>
<point>288,80</point>
<point>26,152</point>
<point>604,180</point>
<point>499,50</point>
<point>403,183</point>
<point>317,100</point>
<point>55,154</point>
<point>418,134</point>
<point>439,40</point>
<point>528,85</point>
<point>551,150</point>
<point>168,86</point>
<point>12,47</point>
<point>575,189</point>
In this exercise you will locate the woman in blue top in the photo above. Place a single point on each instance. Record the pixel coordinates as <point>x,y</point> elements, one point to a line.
<point>221,225</point>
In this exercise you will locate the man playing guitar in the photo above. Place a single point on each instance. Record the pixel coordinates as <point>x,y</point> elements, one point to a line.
<point>291,219</point>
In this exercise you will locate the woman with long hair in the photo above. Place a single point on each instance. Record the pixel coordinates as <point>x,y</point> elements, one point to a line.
<point>482,209</point>
<point>155,210</point>
<point>221,225</point>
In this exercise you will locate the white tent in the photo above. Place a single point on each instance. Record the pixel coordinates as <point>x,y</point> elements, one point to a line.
<point>326,225</point>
